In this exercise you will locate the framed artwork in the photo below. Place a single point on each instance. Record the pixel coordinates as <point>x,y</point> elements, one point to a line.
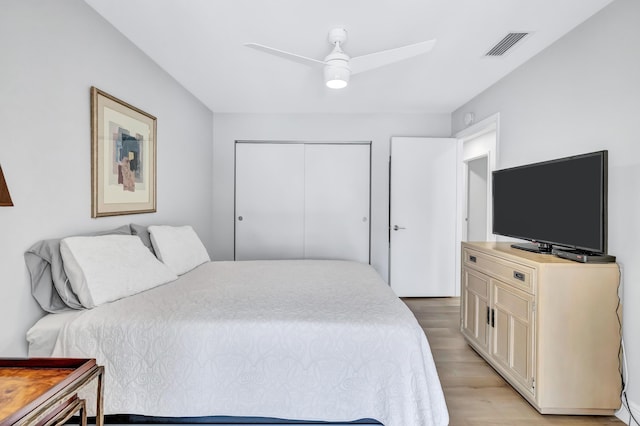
<point>123,157</point>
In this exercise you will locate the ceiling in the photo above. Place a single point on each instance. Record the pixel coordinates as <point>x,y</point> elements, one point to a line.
<point>200,44</point>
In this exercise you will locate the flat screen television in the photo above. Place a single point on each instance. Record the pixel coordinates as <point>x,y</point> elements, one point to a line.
<point>561,202</point>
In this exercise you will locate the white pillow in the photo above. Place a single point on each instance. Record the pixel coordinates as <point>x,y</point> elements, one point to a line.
<point>109,267</point>
<point>178,247</point>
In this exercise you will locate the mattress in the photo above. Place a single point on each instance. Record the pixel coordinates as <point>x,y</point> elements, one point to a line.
<point>301,340</point>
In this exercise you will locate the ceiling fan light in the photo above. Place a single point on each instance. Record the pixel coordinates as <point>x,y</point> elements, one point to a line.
<point>336,84</point>
<point>336,77</point>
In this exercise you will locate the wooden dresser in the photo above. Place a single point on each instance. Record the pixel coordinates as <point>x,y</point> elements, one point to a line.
<point>44,391</point>
<point>551,327</point>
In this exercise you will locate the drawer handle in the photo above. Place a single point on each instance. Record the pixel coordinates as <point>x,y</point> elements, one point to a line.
<point>472,259</point>
<point>518,275</point>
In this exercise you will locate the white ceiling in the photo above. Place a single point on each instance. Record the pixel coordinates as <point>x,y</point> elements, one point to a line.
<point>200,43</point>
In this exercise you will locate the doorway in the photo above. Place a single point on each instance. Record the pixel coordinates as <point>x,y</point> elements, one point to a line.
<point>477,162</point>
<point>478,146</point>
<point>477,192</point>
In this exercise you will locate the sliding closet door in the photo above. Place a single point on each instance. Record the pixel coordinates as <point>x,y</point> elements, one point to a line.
<point>269,201</point>
<point>337,180</point>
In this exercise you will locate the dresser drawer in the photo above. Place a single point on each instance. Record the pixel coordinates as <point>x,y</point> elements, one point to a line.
<point>518,275</point>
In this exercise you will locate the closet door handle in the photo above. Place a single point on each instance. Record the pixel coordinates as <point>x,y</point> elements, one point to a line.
<point>493,318</point>
<point>488,315</point>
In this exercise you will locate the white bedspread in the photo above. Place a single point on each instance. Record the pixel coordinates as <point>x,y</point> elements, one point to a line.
<point>299,340</point>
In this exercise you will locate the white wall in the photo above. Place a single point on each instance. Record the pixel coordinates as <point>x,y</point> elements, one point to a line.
<point>582,94</point>
<point>478,146</point>
<point>52,52</point>
<point>377,128</point>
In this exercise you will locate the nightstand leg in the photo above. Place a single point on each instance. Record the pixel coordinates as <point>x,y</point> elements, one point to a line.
<point>99,398</point>
<point>83,414</point>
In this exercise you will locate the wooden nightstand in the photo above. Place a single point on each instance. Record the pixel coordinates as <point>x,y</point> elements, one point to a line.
<point>44,391</point>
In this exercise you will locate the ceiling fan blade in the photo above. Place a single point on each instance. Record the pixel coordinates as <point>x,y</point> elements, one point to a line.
<point>386,57</point>
<point>286,55</point>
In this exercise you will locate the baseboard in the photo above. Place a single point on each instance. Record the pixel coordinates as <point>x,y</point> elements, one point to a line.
<point>623,413</point>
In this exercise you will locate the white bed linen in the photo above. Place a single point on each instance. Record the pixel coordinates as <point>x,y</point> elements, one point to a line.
<point>42,337</point>
<point>300,340</point>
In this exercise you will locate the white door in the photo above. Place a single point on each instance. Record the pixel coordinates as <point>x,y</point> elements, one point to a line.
<point>423,216</point>
<point>337,201</point>
<point>269,201</point>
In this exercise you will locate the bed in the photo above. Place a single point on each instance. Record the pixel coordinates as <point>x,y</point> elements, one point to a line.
<point>302,340</point>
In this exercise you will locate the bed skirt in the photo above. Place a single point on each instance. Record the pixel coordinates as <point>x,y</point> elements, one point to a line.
<point>220,420</point>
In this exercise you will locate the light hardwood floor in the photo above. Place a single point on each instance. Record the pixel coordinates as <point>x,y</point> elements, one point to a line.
<point>476,395</point>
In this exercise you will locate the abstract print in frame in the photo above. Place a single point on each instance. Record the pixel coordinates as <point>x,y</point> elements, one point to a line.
<point>123,157</point>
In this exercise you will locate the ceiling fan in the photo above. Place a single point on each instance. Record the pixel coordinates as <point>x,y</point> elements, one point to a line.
<point>338,66</point>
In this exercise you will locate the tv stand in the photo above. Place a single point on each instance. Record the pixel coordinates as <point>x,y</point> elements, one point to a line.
<point>541,248</point>
<point>549,326</point>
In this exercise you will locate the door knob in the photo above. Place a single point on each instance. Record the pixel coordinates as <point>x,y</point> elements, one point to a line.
<point>396,227</point>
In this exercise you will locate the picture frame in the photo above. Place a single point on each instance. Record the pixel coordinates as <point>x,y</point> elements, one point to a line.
<point>123,157</point>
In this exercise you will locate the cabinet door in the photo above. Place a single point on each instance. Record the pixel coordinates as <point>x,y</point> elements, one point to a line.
<point>337,201</point>
<point>269,201</point>
<point>512,334</point>
<point>475,307</point>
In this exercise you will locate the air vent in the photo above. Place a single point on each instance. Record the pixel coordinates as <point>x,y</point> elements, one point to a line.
<point>505,44</point>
